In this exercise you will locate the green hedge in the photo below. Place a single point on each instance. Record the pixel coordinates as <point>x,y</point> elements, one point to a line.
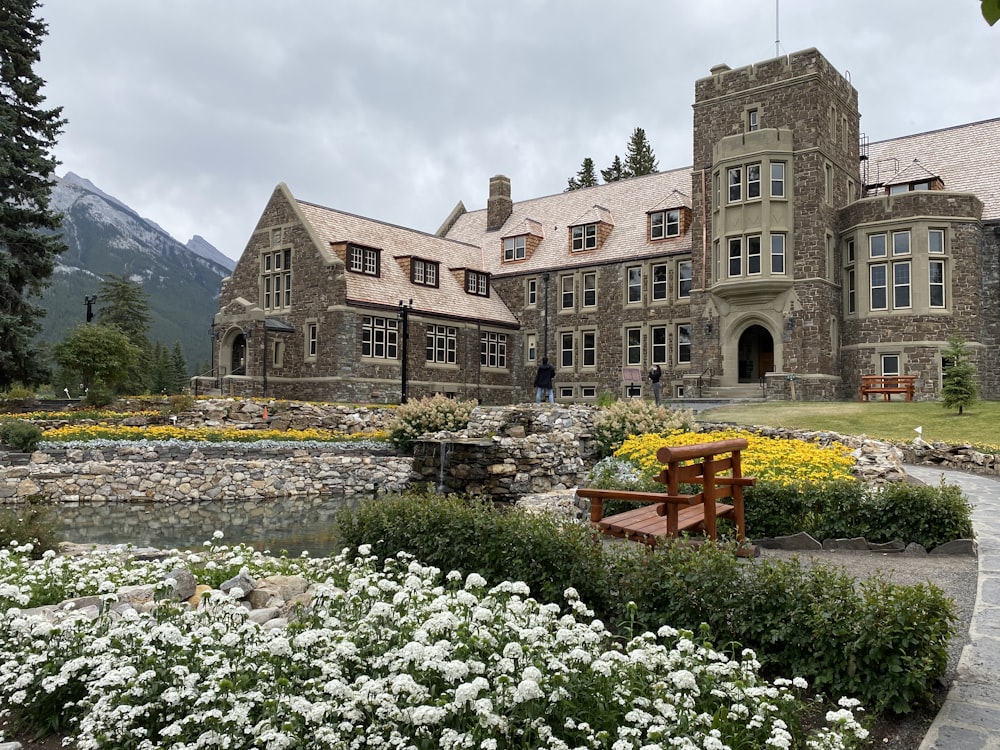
<point>882,643</point>
<point>927,515</point>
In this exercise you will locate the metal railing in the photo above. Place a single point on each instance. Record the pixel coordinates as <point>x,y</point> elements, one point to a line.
<point>710,371</point>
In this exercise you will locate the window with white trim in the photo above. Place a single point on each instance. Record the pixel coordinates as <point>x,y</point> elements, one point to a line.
<point>531,347</point>
<point>877,245</point>
<point>753,181</point>
<point>658,281</point>
<point>588,348</point>
<point>935,241</point>
<point>311,340</point>
<point>901,285</point>
<point>634,274</point>
<point>684,343</point>
<point>777,253</point>
<point>658,345</point>
<point>276,279</point>
<point>890,364</point>
<point>493,350</point>
<point>753,255</point>
<point>735,182</point>
<point>379,337</point>
<point>879,286</point>
<point>514,248</point>
<point>363,260</point>
<point>685,277</point>
<point>852,292</point>
<point>567,292</point>
<point>777,179</point>
<point>567,345</point>
<point>633,346</point>
<point>590,289</point>
<point>531,293</point>
<point>901,243</point>
<point>424,272</point>
<point>735,256</point>
<point>752,122</point>
<point>442,345</point>
<point>584,237</point>
<point>935,272</point>
<point>663,224</point>
<point>477,283</point>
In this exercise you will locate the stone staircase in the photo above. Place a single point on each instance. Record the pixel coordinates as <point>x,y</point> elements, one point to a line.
<point>741,392</point>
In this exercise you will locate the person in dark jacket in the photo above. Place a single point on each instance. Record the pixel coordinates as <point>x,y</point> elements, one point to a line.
<point>543,381</point>
<point>654,377</point>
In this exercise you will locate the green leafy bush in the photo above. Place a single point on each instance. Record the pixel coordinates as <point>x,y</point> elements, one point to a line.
<point>774,509</point>
<point>882,643</point>
<point>432,414</point>
<point>637,417</point>
<point>927,515</point>
<point>98,394</point>
<point>475,536</point>
<point>20,435</point>
<point>19,392</point>
<point>35,522</point>
<point>180,402</point>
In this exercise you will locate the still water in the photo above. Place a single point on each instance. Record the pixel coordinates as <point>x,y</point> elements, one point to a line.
<point>294,525</point>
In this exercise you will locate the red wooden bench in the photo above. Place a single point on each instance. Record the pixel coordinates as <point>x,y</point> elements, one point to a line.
<point>715,466</point>
<point>887,385</point>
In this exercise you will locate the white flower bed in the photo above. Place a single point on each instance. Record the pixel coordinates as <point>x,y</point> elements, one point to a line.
<point>391,655</point>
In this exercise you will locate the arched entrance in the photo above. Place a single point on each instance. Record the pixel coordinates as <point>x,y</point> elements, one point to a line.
<point>238,355</point>
<point>755,354</point>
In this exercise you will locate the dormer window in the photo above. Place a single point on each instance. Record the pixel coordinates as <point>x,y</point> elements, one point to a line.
<point>514,248</point>
<point>584,237</point>
<point>424,272</point>
<point>663,224</point>
<point>364,260</point>
<point>477,282</point>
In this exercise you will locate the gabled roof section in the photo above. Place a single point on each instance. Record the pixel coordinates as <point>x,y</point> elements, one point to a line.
<point>624,203</point>
<point>965,157</point>
<point>528,226</point>
<point>912,172</point>
<point>596,215</point>
<point>331,227</point>
<point>676,199</point>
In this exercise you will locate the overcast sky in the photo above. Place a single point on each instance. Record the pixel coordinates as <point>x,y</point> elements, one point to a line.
<point>191,111</point>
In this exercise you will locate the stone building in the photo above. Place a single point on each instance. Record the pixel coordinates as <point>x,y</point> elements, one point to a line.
<point>793,257</point>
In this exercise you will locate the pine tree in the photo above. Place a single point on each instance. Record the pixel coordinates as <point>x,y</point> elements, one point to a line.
<point>615,172</point>
<point>29,242</point>
<point>179,369</point>
<point>586,177</point>
<point>124,304</point>
<point>958,385</point>
<point>639,159</point>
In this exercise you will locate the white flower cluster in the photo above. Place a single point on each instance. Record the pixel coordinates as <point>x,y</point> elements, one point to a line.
<point>391,655</point>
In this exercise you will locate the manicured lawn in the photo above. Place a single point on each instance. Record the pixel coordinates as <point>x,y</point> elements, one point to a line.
<point>895,420</point>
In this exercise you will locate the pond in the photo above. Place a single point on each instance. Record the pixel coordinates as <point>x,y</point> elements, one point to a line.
<point>294,524</point>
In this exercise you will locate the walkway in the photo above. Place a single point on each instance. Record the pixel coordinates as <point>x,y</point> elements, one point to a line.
<point>970,716</point>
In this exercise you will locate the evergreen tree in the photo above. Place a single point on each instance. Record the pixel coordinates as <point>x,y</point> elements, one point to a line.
<point>29,242</point>
<point>124,304</point>
<point>179,370</point>
<point>98,356</point>
<point>159,370</point>
<point>615,172</point>
<point>586,177</point>
<point>958,386</point>
<point>639,159</point>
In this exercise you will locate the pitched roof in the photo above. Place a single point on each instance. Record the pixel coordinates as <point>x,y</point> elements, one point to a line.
<point>393,284</point>
<point>965,157</point>
<point>623,204</point>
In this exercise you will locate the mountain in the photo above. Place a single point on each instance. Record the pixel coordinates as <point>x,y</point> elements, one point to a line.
<point>103,235</point>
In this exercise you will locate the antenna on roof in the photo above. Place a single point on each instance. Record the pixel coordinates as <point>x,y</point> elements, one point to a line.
<point>777,33</point>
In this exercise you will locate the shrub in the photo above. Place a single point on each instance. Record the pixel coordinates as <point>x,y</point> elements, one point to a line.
<point>475,536</point>
<point>926,515</point>
<point>775,509</point>
<point>20,435</point>
<point>19,392</point>
<point>35,522</point>
<point>98,394</point>
<point>636,417</point>
<point>433,414</point>
<point>180,402</point>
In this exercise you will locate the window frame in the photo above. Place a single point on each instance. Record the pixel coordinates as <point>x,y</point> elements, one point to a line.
<point>685,279</point>
<point>567,298</point>
<point>754,255</point>
<point>940,284</point>
<point>583,237</point>
<point>883,286</point>
<point>530,347</point>
<point>753,181</point>
<point>425,272</point>
<point>588,348</point>
<point>366,261</point>
<point>901,242</point>
<point>276,279</point>
<point>734,189</point>
<point>659,344</point>
<point>659,276</point>
<point>477,283</point>
<point>567,349</point>
<point>900,287</point>
<point>531,292</point>
<point>588,296</point>
<point>379,338</point>
<point>633,346</point>
<point>734,259</point>
<point>683,334</point>
<point>931,244</point>
<point>515,248</point>
<point>312,340</point>
<point>493,350</point>
<point>779,180</point>
<point>633,285</point>
<point>883,241</point>
<point>441,347</point>
<point>778,252</point>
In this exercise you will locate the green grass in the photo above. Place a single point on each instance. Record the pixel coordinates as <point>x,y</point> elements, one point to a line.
<point>894,421</point>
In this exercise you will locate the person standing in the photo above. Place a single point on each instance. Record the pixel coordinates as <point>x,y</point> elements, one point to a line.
<point>654,377</point>
<point>543,381</point>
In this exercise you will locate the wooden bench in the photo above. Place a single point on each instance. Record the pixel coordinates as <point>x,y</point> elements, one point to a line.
<point>887,385</point>
<point>715,466</point>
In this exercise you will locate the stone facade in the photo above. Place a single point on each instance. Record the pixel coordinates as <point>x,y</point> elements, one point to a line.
<point>768,278</point>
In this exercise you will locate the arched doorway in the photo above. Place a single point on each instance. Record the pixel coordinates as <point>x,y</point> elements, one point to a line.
<point>755,354</point>
<point>238,355</point>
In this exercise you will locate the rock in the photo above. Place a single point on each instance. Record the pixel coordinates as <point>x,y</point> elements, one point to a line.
<point>894,546</point>
<point>800,541</point>
<point>242,581</point>
<point>956,547</point>
<point>914,549</point>
<point>184,586</point>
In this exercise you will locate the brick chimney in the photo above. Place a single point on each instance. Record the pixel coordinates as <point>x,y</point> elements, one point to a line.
<point>499,205</point>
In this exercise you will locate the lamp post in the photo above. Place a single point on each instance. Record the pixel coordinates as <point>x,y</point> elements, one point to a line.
<point>266,355</point>
<point>89,301</point>
<point>404,319</point>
